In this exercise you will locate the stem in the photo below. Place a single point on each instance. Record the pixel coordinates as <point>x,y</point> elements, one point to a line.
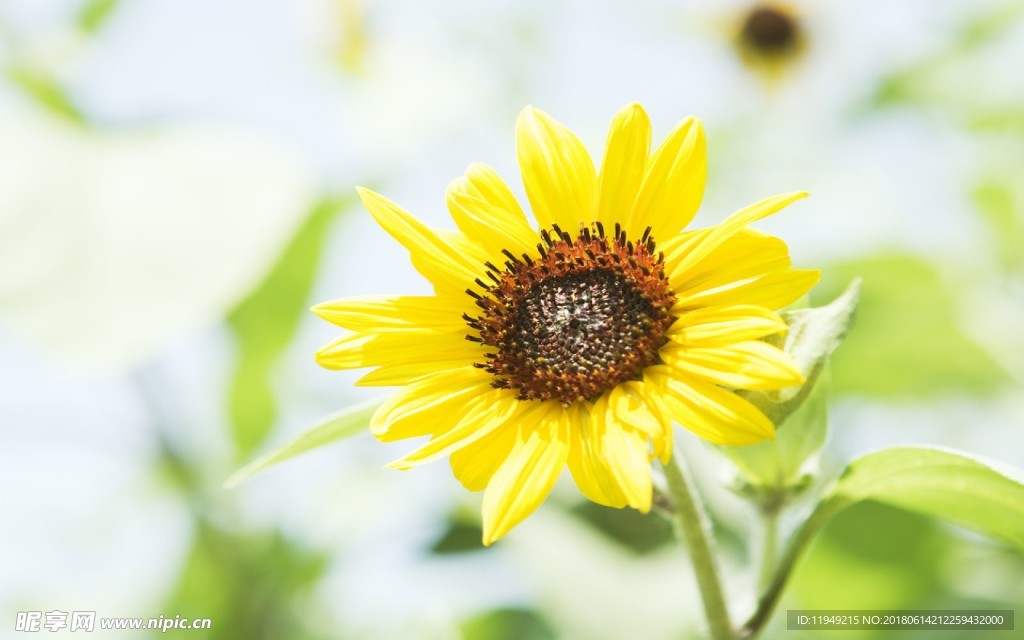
<point>694,528</point>
<point>794,550</point>
<point>770,522</point>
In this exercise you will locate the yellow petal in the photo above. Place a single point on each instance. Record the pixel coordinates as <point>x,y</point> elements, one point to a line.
<point>663,444</point>
<point>743,365</point>
<point>715,326</point>
<point>625,451</point>
<point>526,477</point>
<point>344,353</point>
<point>625,159</point>
<point>396,347</point>
<point>586,461</point>
<point>711,412</point>
<point>747,254</point>
<point>475,464</point>
<point>489,225</point>
<point>392,313</point>
<point>713,237</point>
<point>490,410</point>
<point>429,405</point>
<point>484,183</point>
<point>628,404</point>
<point>403,373</point>
<point>772,290</point>
<point>445,266</point>
<point>673,186</point>
<point>557,171</point>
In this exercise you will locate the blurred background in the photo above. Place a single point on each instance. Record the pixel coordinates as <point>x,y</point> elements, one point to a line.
<point>176,188</point>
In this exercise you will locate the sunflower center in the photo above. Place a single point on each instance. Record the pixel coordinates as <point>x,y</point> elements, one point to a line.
<point>770,30</point>
<point>573,322</point>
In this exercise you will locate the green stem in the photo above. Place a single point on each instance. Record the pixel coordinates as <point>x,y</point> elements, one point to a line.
<point>770,523</point>
<point>794,550</point>
<point>694,528</point>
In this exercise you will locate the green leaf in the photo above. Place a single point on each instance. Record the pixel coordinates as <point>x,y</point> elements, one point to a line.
<point>909,344</point>
<point>459,536</point>
<point>957,487</point>
<point>938,79</point>
<point>774,467</point>
<point>95,13</point>
<point>264,324</point>
<point>888,559</point>
<point>342,424</point>
<point>257,584</point>
<point>507,624</point>
<point>638,532</point>
<point>1001,204</point>
<point>43,87</point>
<point>975,493</point>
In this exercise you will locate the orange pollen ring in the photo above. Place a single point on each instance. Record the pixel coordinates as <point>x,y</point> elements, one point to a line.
<point>583,316</point>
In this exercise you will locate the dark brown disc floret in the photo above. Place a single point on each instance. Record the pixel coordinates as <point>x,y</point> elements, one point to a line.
<point>581,316</point>
<point>770,30</point>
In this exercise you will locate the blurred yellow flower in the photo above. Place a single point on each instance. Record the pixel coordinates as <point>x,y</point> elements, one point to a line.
<point>582,342</point>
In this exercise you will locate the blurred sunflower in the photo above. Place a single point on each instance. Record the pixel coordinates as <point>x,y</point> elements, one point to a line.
<point>582,342</point>
<point>769,37</point>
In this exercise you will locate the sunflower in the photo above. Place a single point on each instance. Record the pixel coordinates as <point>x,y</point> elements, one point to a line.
<point>770,36</point>
<point>578,341</point>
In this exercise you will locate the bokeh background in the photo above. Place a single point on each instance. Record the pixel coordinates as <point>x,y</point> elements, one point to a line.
<point>176,189</point>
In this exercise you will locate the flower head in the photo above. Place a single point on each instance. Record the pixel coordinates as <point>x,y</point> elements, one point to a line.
<point>770,36</point>
<point>580,341</point>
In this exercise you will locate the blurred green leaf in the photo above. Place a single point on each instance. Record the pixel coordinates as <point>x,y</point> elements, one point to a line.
<point>265,323</point>
<point>1002,207</point>
<point>507,624</point>
<point>908,343</point>
<point>342,424</point>
<point>95,13</point>
<point>926,82</point>
<point>874,556</point>
<point>43,87</point>
<point>957,487</point>
<point>636,531</point>
<point>462,533</point>
<point>251,586</point>
<point>1006,120</point>
<point>460,536</point>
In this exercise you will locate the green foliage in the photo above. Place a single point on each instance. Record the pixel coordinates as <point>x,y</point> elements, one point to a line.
<point>874,556</point>
<point>43,87</point>
<point>251,586</point>
<point>1001,204</point>
<point>908,344</point>
<point>507,624</point>
<point>982,495</point>
<point>341,424</point>
<point>460,536</point>
<point>927,83</point>
<point>637,532</point>
<point>264,324</point>
<point>95,13</point>
<point>953,486</point>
